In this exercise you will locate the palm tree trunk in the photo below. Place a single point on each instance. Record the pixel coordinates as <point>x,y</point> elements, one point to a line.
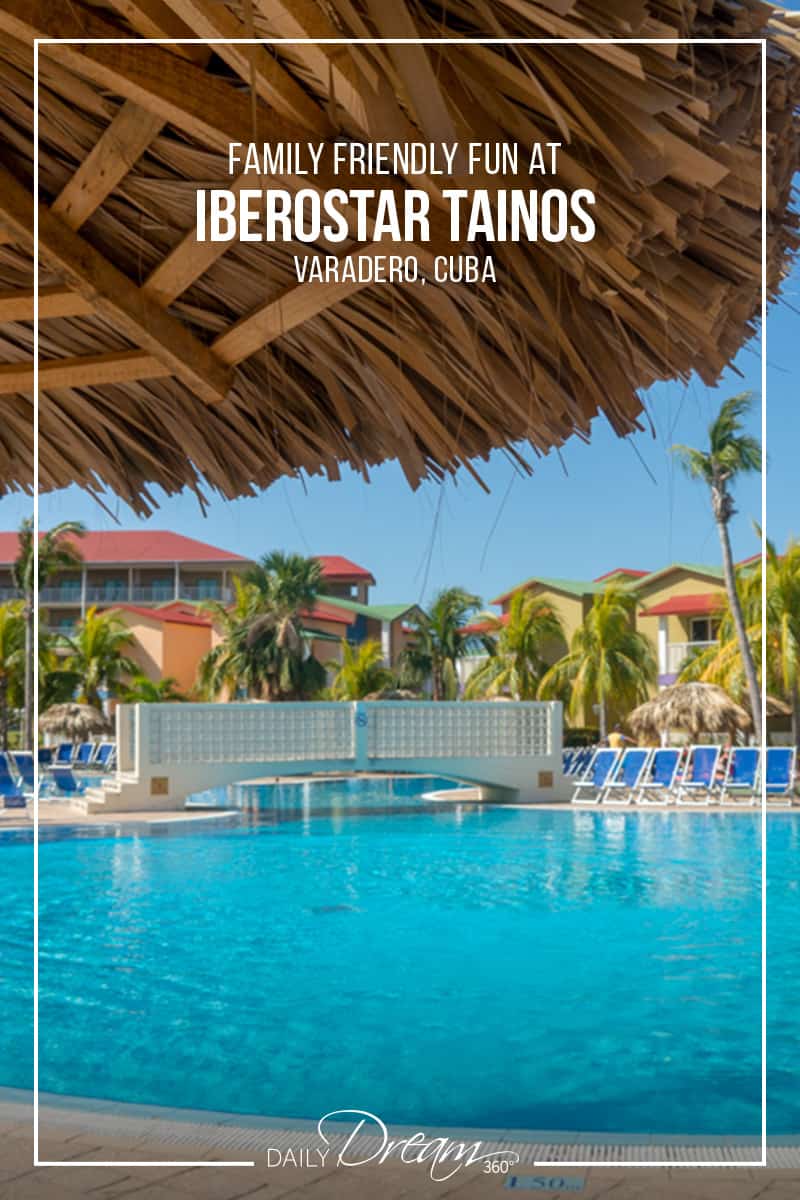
<point>745,648</point>
<point>4,714</point>
<point>602,718</point>
<point>795,714</point>
<point>27,723</point>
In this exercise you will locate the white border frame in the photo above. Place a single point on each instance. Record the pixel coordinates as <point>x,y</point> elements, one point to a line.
<point>403,41</point>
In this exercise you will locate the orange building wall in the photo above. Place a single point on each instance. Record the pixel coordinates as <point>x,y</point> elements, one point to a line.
<point>183,647</point>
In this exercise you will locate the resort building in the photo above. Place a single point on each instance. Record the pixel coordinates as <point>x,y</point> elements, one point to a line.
<point>678,608</point>
<point>157,580</point>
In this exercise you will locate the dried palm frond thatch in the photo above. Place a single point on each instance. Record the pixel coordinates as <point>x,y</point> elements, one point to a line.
<point>172,364</point>
<point>76,722</point>
<point>693,707</point>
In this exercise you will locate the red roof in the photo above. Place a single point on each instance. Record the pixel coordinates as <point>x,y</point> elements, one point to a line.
<point>336,567</point>
<point>621,571</point>
<point>135,546</point>
<point>486,626</point>
<point>325,612</point>
<point>169,614</point>
<point>691,606</point>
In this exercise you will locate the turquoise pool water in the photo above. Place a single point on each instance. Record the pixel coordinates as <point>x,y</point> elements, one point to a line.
<point>352,946</point>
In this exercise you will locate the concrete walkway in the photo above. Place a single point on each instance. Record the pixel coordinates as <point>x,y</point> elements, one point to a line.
<point>82,1139</point>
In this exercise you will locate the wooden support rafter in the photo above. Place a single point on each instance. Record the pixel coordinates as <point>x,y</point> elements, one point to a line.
<point>272,81</point>
<point>117,149</point>
<point>114,295</point>
<point>297,304</point>
<point>56,301</point>
<point>186,262</point>
<point>89,370</point>
<point>306,19</point>
<point>414,67</point>
<point>155,19</point>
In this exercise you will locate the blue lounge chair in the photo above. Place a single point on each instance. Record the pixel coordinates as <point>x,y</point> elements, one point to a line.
<point>65,782</point>
<point>580,761</point>
<point>596,777</point>
<point>779,775</point>
<point>741,774</point>
<point>627,775</point>
<point>84,755</point>
<point>104,758</point>
<point>10,794</point>
<point>23,761</point>
<point>64,752</point>
<point>699,775</point>
<point>659,780</point>
<point>44,755</point>
<point>7,773</point>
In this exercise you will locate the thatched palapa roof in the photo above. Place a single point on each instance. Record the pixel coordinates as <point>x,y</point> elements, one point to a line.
<point>693,707</point>
<point>169,362</point>
<point>77,722</point>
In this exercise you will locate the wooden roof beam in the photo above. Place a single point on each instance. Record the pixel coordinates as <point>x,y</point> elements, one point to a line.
<point>414,67</point>
<point>56,301</point>
<point>205,107</point>
<point>295,306</point>
<point>155,19</point>
<point>306,19</point>
<point>89,370</point>
<point>114,153</point>
<point>114,295</point>
<point>272,81</point>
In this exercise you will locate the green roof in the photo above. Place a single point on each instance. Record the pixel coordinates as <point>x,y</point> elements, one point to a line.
<point>575,587</point>
<point>585,587</point>
<point>692,568</point>
<point>378,612</point>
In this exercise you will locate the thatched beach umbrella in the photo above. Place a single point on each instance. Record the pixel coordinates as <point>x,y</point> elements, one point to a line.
<point>693,707</point>
<point>175,362</point>
<point>75,722</point>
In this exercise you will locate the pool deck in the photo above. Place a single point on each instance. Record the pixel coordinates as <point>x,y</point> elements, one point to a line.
<point>54,814</point>
<point>86,1134</point>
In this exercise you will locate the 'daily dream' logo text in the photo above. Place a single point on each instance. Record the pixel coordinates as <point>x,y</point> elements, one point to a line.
<point>346,1127</point>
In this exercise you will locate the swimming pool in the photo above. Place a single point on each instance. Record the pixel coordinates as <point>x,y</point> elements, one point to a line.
<point>348,945</point>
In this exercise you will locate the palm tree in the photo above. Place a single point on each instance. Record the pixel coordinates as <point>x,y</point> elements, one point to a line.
<point>232,666</point>
<point>517,665</point>
<point>57,552</point>
<point>57,683</point>
<point>96,653</point>
<point>783,625</point>
<point>361,671</point>
<point>609,665</point>
<point>722,663</point>
<point>12,663</point>
<point>440,641</point>
<point>143,690</point>
<point>263,647</point>
<point>730,453</point>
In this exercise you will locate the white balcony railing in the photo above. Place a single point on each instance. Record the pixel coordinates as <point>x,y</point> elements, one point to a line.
<point>678,652</point>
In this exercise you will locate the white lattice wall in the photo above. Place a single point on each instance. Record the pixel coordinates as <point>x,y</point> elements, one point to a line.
<point>245,733</point>
<point>459,730</point>
<point>171,751</point>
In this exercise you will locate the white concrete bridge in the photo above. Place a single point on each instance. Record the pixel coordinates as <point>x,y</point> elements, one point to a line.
<point>167,752</point>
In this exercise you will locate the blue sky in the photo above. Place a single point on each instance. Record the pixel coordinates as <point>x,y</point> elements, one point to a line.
<point>613,502</point>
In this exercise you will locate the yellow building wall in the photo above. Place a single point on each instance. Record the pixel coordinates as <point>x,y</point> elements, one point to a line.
<point>679,583</point>
<point>570,609</point>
